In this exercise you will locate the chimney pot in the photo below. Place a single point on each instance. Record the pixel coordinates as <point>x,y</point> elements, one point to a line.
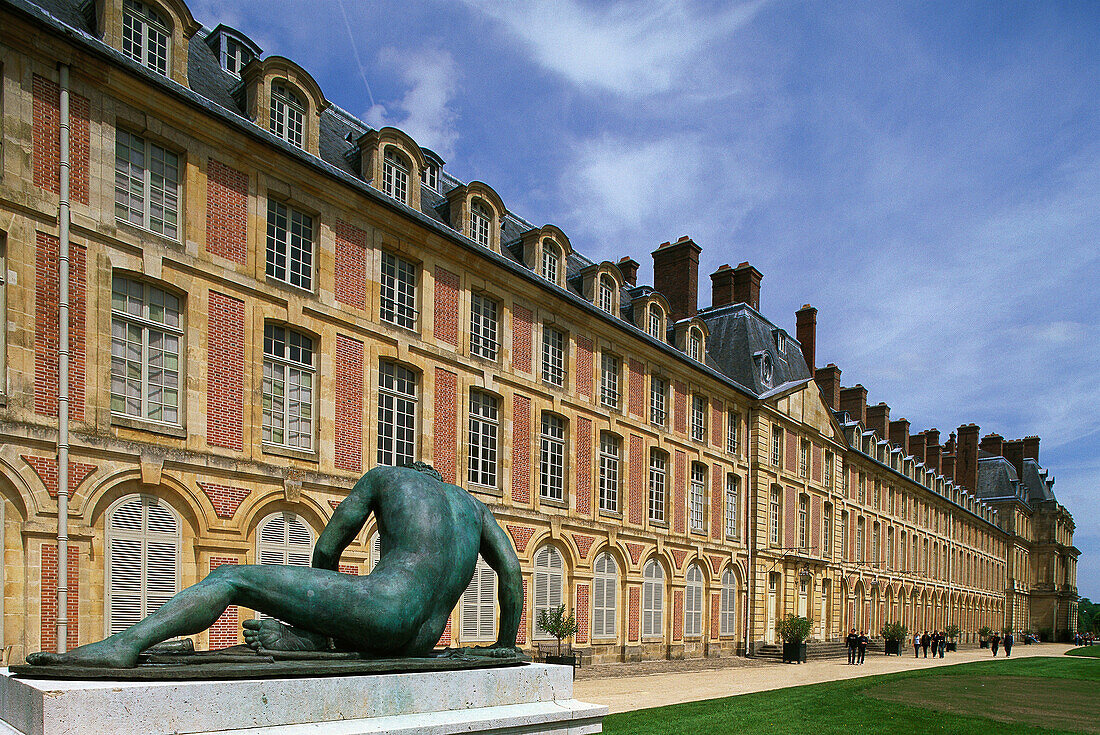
<point>899,434</point>
<point>932,450</point>
<point>1014,453</point>
<point>966,458</point>
<point>805,320</point>
<point>916,445</point>
<point>1031,448</point>
<point>676,276</point>
<point>854,401</point>
<point>828,379</point>
<point>746,285</point>
<point>721,287</point>
<point>878,420</point>
<point>993,443</point>
<point>629,268</point>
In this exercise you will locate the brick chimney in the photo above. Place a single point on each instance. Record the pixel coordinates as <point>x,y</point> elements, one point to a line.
<point>932,449</point>
<point>878,420</point>
<point>899,434</point>
<point>676,276</point>
<point>854,401</point>
<point>993,443</point>
<point>629,268</point>
<point>916,445</point>
<point>1014,453</point>
<point>746,285</point>
<point>1031,448</point>
<point>805,327</point>
<point>721,286</point>
<point>947,459</point>
<point>828,379</point>
<point>966,458</point>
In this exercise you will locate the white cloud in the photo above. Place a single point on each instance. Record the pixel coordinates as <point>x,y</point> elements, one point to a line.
<point>424,112</point>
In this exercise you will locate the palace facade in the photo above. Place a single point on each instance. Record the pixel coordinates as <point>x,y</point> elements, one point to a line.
<point>266,297</point>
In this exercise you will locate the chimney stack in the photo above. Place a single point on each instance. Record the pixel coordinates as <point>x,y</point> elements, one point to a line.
<point>629,268</point>
<point>947,459</point>
<point>878,420</point>
<point>916,445</point>
<point>1031,448</point>
<point>966,458</point>
<point>805,327</point>
<point>993,443</point>
<point>932,450</point>
<point>854,401</point>
<point>828,379</point>
<point>721,286</point>
<point>676,276</point>
<point>899,434</point>
<point>746,285</point>
<point>1014,453</point>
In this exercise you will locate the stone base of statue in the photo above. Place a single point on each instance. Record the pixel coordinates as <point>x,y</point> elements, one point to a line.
<point>530,698</point>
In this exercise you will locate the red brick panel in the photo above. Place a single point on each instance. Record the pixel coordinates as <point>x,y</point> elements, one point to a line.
<point>352,569</point>
<point>46,469</point>
<point>815,525</point>
<point>678,556</point>
<point>584,543</point>
<point>48,630</point>
<point>446,412</point>
<point>445,638</point>
<point>521,338</point>
<point>446,306</point>
<point>638,476</point>
<point>521,536</point>
<point>225,373</point>
<point>680,407</point>
<point>817,462</point>
<point>584,366</point>
<point>716,563</point>
<point>584,466</point>
<point>677,615</point>
<point>46,332</point>
<point>47,139</point>
<point>790,517</point>
<point>582,613</point>
<point>349,404</point>
<point>791,461</point>
<point>637,388</point>
<point>351,265</point>
<point>635,551</point>
<point>521,636</point>
<point>717,501</point>
<point>227,212</point>
<point>635,613</point>
<point>715,613</point>
<point>716,435</point>
<point>223,633</point>
<point>678,480</point>
<point>852,536</point>
<point>225,499</point>
<point>521,449</point>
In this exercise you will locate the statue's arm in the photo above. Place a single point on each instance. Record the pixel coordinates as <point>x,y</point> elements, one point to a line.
<point>346,522</point>
<point>497,551</point>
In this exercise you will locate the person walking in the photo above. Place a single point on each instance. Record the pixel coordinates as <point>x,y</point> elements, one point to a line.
<point>1008,643</point>
<point>925,641</point>
<point>852,641</point>
<point>862,642</point>
<point>995,644</point>
<point>942,642</point>
<point>916,645</point>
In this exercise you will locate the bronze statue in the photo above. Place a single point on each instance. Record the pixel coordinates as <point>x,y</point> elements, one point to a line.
<point>431,535</point>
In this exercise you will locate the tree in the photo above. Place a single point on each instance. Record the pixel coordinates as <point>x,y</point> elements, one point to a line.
<point>554,621</point>
<point>952,631</point>
<point>894,632</point>
<point>794,628</point>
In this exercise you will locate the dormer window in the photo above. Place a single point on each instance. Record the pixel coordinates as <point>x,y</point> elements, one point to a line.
<point>695,345</point>
<point>551,261</point>
<point>431,177</point>
<point>287,115</point>
<point>234,56</point>
<point>653,325</point>
<point>480,220</point>
<point>145,36</point>
<point>395,176</point>
<point>607,294</point>
<point>781,342</point>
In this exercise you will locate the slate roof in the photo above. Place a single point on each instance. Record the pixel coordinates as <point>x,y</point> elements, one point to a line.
<point>740,337</point>
<point>997,478</point>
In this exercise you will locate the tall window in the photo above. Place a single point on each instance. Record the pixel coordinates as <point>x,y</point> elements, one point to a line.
<point>845,541</point>
<point>654,324</point>
<point>289,373</point>
<point>288,114</point>
<point>698,496</point>
<point>552,458</point>
<point>727,611</point>
<point>609,380</point>
<point>145,36</point>
<point>549,579</point>
<point>484,427</point>
<point>827,531</point>
<point>773,517</point>
<point>234,55</point>
<point>860,523</point>
<point>695,345</point>
<point>733,427</point>
<point>658,401</point>
<point>803,522</point>
<point>609,472</point>
<point>551,262</point>
<point>777,445</point>
<point>395,176</point>
<point>145,351</point>
<point>431,177</point>
<point>147,179</point>
<point>289,245</point>
<point>606,299</point>
<point>693,601</point>
<point>653,598</point>
<point>398,303</point>
<point>3,313</point>
<point>699,418</point>
<point>829,469</point>
<point>804,459</point>
<point>284,539</point>
<point>553,356</point>
<point>862,488</point>
<point>480,221</point>
<point>396,414</point>
<point>605,586</point>
<point>658,477</point>
<point>143,541</point>
<point>875,543</point>
<point>478,605</point>
<point>890,548</point>
<point>733,505</point>
<point>484,327</point>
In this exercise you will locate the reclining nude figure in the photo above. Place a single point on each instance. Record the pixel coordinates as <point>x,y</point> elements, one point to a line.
<point>431,535</point>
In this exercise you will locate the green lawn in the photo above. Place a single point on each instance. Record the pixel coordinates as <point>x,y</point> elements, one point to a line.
<point>1087,651</point>
<point>1031,695</point>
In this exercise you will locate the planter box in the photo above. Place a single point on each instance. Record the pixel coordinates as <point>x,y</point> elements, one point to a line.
<point>794,652</point>
<point>952,645</point>
<point>893,648</point>
<point>983,644</point>
<point>564,660</point>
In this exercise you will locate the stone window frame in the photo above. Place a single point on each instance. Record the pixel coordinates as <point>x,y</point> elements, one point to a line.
<point>464,200</point>
<point>695,592</point>
<point>654,589</point>
<point>181,27</point>
<point>553,456</point>
<point>697,497</point>
<point>150,144</point>
<point>398,294</point>
<point>658,415</point>
<point>258,79</point>
<point>485,327</point>
<point>658,485</point>
<point>483,440</point>
<point>554,358</point>
<point>733,506</point>
<point>535,241</point>
<point>605,605</point>
<point>389,429</point>
<point>610,380</point>
<point>287,113</point>
<point>610,472</point>
<point>375,146</point>
<point>289,364</point>
<point>293,209</point>
<point>727,607</point>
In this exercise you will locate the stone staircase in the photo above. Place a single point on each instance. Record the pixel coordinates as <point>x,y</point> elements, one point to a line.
<point>817,650</point>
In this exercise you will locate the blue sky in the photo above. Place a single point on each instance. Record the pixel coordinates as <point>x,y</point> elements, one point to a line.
<point>927,175</point>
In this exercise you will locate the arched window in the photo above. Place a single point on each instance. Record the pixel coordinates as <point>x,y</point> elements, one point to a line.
<point>288,115</point>
<point>695,345</point>
<point>728,608</point>
<point>395,175</point>
<point>284,538</point>
<point>653,599</point>
<point>478,607</point>
<point>145,36</point>
<point>605,585</point>
<point>480,222</point>
<point>653,324</point>
<point>551,261</point>
<point>143,541</point>
<point>549,578</point>
<point>606,299</point>
<point>693,601</point>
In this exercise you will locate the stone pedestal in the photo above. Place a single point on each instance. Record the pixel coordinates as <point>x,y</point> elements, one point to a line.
<point>536,698</point>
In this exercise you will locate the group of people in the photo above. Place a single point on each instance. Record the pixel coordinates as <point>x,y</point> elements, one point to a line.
<point>1084,639</point>
<point>857,646</point>
<point>936,640</point>
<point>995,642</point>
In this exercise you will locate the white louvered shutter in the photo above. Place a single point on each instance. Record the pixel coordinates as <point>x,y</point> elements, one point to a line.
<point>729,604</point>
<point>604,590</point>
<point>548,583</point>
<point>284,539</point>
<point>142,560</point>
<point>375,550</point>
<point>653,588</point>
<point>478,611</point>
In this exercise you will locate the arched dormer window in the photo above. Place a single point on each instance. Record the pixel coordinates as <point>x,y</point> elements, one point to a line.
<point>233,49</point>
<point>477,211</point>
<point>600,285</point>
<point>146,36</point>
<point>655,320</point>
<point>392,162</point>
<point>690,335</point>
<point>551,261</point>
<point>152,33</point>
<point>395,175</point>
<point>283,98</point>
<point>288,114</point>
<point>546,251</point>
<point>695,344</point>
<point>480,220</point>
<point>606,300</point>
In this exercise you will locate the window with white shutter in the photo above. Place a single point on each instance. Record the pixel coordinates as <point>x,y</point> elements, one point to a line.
<point>549,577</point>
<point>285,539</point>
<point>728,609</point>
<point>693,601</point>
<point>375,551</point>
<point>143,541</point>
<point>478,605</point>
<point>605,585</point>
<point>653,599</point>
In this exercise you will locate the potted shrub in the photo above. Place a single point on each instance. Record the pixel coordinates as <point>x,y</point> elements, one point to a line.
<point>952,632</point>
<point>892,635</point>
<point>794,630</point>
<point>983,636</point>
<point>554,621</point>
